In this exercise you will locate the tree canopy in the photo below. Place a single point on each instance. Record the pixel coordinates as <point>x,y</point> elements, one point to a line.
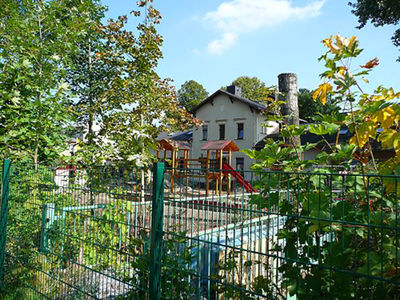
<point>252,88</point>
<point>138,104</point>
<point>63,68</point>
<point>379,13</point>
<point>308,108</point>
<point>37,41</point>
<point>191,94</point>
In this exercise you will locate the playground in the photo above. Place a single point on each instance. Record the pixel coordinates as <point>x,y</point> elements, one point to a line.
<point>217,173</point>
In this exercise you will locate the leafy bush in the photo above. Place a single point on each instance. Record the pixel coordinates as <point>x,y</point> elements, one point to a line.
<point>340,234</point>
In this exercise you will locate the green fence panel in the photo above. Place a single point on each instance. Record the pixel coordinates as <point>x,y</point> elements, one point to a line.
<point>110,233</point>
<point>157,230</point>
<point>5,181</point>
<point>78,233</point>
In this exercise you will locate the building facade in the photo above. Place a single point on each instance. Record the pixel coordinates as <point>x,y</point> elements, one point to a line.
<point>229,116</point>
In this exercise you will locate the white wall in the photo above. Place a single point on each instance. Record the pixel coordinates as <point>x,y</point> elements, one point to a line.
<point>229,112</point>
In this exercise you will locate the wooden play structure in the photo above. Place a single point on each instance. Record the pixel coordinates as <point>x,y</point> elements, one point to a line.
<point>174,149</point>
<point>215,169</point>
<point>215,166</point>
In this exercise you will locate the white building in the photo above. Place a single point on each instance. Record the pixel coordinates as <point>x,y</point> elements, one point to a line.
<point>229,116</point>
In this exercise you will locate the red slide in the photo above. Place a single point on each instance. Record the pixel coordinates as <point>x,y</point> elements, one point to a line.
<point>228,169</point>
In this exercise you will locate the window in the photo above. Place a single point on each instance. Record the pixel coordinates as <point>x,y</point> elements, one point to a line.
<point>240,131</point>
<point>205,132</point>
<point>221,131</point>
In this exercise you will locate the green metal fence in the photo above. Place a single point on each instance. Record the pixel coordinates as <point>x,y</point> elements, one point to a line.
<point>77,234</point>
<point>121,233</point>
<point>304,235</point>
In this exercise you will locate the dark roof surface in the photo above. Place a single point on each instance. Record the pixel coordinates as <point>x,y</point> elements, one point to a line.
<point>253,104</point>
<point>309,137</point>
<point>183,136</point>
<point>177,136</point>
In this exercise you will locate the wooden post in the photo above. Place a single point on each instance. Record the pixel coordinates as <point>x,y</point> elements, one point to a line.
<point>220,171</point>
<point>215,172</point>
<point>172,170</point>
<point>207,173</point>
<point>186,164</point>
<point>229,174</point>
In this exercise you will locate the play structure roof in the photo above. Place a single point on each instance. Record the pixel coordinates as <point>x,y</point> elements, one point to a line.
<point>221,145</point>
<point>168,144</point>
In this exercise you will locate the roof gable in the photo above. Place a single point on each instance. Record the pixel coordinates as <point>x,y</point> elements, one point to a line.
<point>252,104</point>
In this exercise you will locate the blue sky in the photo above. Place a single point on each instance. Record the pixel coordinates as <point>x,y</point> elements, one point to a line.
<point>215,41</point>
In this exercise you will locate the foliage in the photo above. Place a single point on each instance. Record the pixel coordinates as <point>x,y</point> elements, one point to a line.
<point>176,281</point>
<point>138,104</point>
<point>84,246</point>
<point>110,232</point>
<point>253,88</point>
<point>89,77</point>
<point>379,13</point>
<point>317,244</point>
<point>29,191</point>
<point>234,271</point>
<point>309,109</point>
<point>372,117</point>
<point>37,38</point>
<point>191,94</point>
<point>59,62</point>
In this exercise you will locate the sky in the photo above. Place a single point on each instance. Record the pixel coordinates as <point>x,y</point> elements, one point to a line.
<point>215,41</point>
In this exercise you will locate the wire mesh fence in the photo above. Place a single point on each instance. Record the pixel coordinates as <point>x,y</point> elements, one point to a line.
<point>301,235</point>
<point>90,234</point>
<point>76,234</point>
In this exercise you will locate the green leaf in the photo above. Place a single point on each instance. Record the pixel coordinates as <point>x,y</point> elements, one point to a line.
<point>323,128</point>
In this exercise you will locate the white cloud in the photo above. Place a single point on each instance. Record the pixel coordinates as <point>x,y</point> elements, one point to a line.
<point>236,17</point>
<point>218,46</point>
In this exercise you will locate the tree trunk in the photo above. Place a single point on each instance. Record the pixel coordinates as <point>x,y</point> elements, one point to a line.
<point>289,93</point>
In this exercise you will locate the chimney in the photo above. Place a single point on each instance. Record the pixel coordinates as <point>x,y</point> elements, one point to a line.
<point>235,90</point>
<point>287,83</point>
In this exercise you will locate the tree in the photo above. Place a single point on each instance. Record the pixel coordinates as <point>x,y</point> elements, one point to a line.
<point>37,39</point>
<point>308,108</point>
<point>191,94</point>
<point>380,13</point>
<point>253,88</point>
<point>89,77</point>
<point>138,105</point>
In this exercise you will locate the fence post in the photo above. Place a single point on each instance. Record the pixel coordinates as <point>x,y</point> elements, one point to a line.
<point>157,220</point>
<point>5,183</point>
